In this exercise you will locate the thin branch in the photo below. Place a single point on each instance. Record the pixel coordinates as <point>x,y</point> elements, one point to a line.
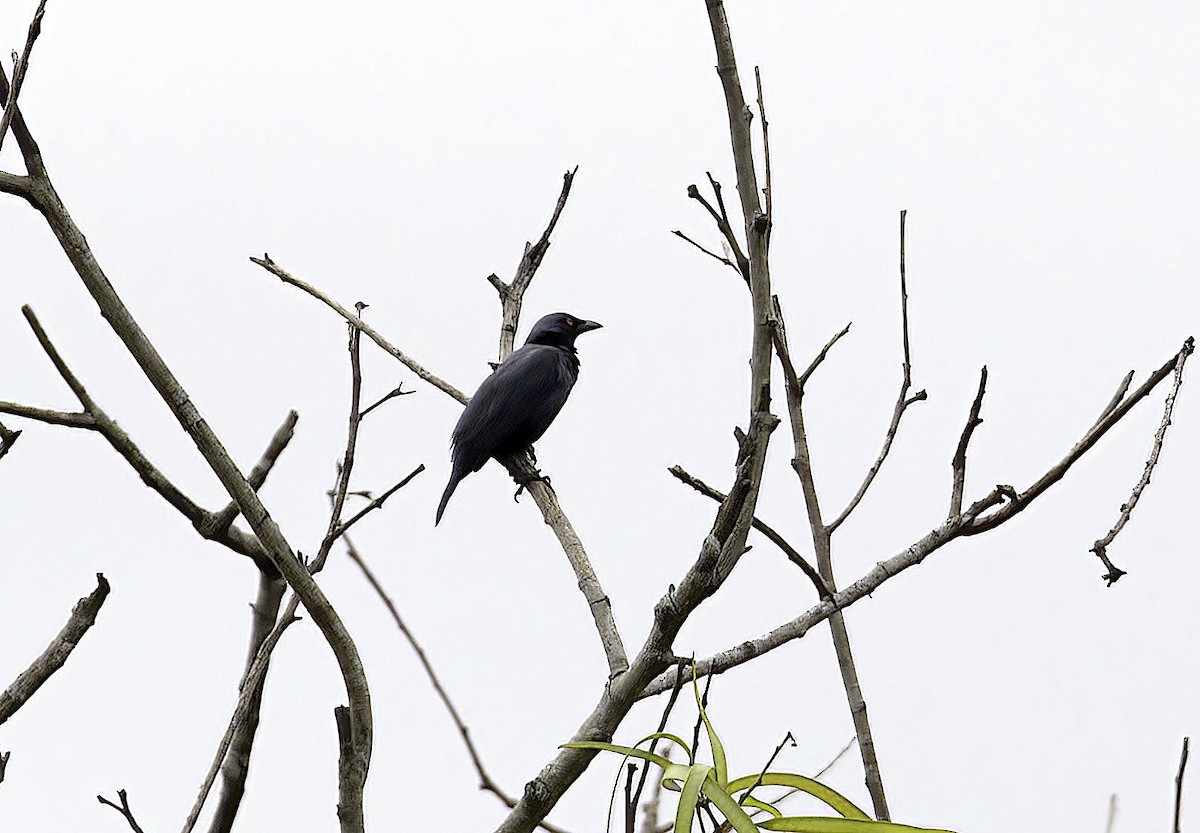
<point>236,766</point>
<point>19,70</point>
<point>833,761</point>
<point>711,254</point>
<point>650,814</point>
<point>511,294</point>
<point>250,691</point>
<point>83,616</point>
<point>959,462</point>
<point>990,511</point>
<point>485,780</point>
<point>45,198</point>
<point>1117,398</point>
<point>774,537</point>
<point>1019,501</point>
<point>766,139</point>
<point>258,475</point>
<point>1100,548</point>
<point>347,462</point>
<point>399,391</point>
<point>1183,758</point>
<point>208,524</point>
<point>1112,813</point>
<point>816,362</point>
<point>4,756</point>
<point>721,218</point>
<point>725,543</point>
<point>902,401</point>
<point>369,331</point>
<point>788,738</point>
<point>123,809</point>
<point>377,503</point>
<point>31,187</point>
<point>7,438</point>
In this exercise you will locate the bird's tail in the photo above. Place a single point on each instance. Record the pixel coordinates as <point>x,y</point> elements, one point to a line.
<point>455,477</point>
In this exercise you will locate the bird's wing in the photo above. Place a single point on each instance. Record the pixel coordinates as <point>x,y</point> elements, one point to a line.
<point>514,406</point>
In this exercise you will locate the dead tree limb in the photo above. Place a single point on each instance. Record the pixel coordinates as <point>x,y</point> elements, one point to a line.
<point>19,69</point>
<point>37,189</point>
<point>83,616</point>
<point>123,809</point>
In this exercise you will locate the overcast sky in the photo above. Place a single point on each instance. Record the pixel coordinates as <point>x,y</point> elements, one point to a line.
<point>399,153</point>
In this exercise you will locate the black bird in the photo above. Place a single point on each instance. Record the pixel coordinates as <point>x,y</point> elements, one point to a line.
<point>516,404</point>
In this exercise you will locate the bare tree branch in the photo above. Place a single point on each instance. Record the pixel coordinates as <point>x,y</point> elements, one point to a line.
<point>721,218</point>
<point>123,809</point>
<point>511,294</point>
<point>1183,758</point>
<point>711,254</point>
<point>959,462</point>
<point>766,139</point>
<point>726,541</point>
<point>210,525</point>
<point>399,391</point>
<point>369,331</point>
<point>903,400</point>
<point>45,199</point>
<point>521,468</point>
<point>19,70</point>
<point>377,503</point>
<point>1020,500</point>
<point>1112,814</point>
<point>486,782</point>
<point>83,616</point>
<point>236,766</point>
<point>7,438</point>
<point>258,475</point>
<point>774,537</point>
<point>1100,548</point>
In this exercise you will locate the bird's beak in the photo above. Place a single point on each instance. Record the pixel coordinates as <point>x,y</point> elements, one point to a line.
<point>586,326</point>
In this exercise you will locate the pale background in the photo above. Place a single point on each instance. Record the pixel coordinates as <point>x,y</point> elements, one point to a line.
<point>397,154</point>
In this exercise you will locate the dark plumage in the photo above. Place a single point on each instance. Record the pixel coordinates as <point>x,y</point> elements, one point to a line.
<point>516,404</point>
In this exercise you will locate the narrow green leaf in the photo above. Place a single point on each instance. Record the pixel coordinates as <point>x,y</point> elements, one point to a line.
<point>686,811</point>
<point>732,811</point>
<point>767,807</point>
<point>816,789</point>
<point>718,749</point>
<point>628,751</point>
<point>815,824</point>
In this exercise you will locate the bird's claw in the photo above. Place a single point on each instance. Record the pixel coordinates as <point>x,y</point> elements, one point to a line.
<point>525,481</point>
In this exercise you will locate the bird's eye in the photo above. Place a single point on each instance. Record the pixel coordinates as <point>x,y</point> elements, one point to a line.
<point>570,321</point>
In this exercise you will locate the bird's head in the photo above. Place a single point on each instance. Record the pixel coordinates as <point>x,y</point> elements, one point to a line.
<point>559,329</point>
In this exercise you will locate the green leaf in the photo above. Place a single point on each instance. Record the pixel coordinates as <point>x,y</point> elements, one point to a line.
<point>628,751</point>
<point>686,811</point>
<point>815,824</point>
<point>732,811</point>
<point>719,765</point>
<point>816,789</point>
<point>760,805</point>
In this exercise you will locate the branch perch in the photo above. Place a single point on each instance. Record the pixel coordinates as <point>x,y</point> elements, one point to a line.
<point>83,616</point>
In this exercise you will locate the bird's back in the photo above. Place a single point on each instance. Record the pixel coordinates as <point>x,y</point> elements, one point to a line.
<point>514,406</point>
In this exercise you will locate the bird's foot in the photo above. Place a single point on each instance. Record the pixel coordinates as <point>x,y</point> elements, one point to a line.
<point>524,481</point>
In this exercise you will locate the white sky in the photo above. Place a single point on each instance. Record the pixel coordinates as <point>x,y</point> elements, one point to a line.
<point>1047,156</point>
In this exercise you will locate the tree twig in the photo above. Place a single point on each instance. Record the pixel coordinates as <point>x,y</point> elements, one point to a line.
<point>1100,548</point>
<point>123,809</point>
<point>377,503</point>
<point>708,252</point>
<point>486,782</point>
<point>511,294</point>
<point>210,525</point>
<point>7,438</point>
<point>398,391</point>
<point>1183,759</point>
<point>903,400</point>
<point>774,537</point>
<point>1112,813</point>
<point>370,332</point>
<point>19,70</point>
<point>958,463</point>
<point>83,616</point>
